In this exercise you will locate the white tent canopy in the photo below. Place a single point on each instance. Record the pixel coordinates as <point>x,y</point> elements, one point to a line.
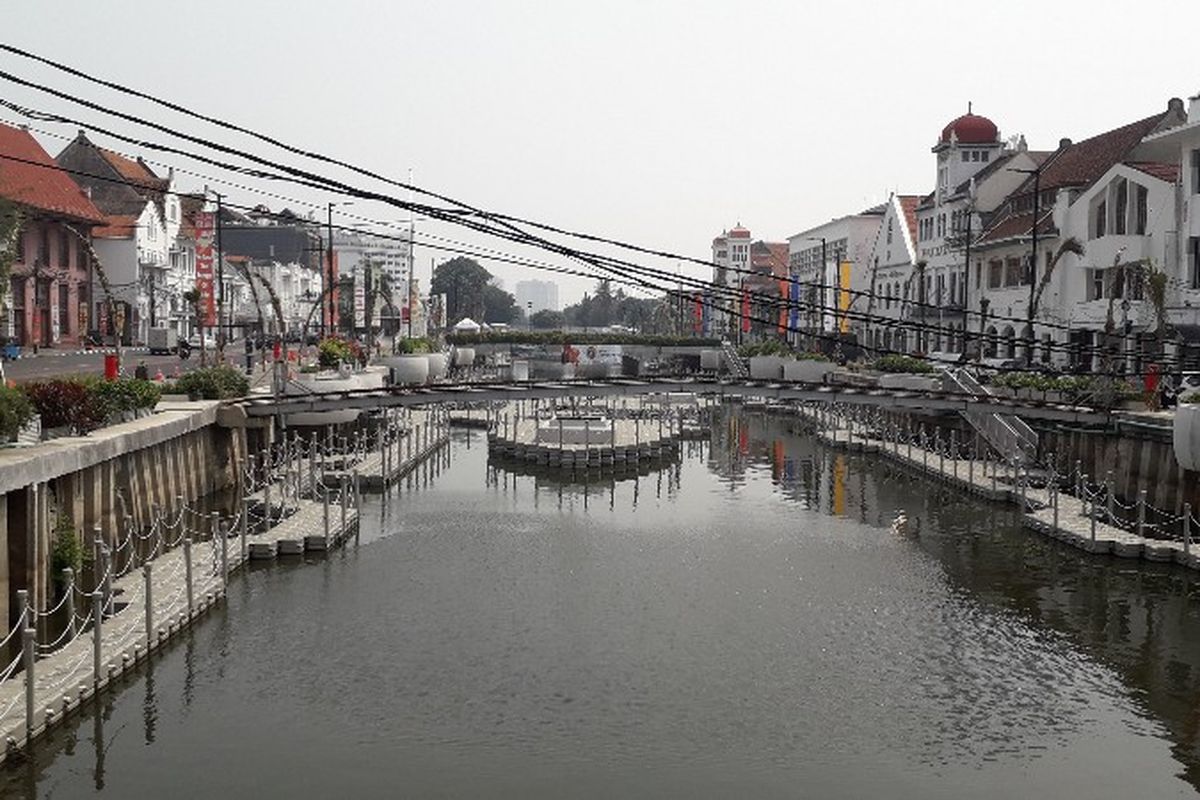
<point>467,325</point>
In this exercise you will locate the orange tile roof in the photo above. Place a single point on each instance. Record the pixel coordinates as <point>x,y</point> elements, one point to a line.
<point>30,177</point>
<point>133,171</point>
<point>117,227</point>
<point>908,204</point>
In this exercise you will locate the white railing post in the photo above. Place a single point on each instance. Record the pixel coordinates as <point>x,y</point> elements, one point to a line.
<point>1141,513</point>
<point>1054,502</point>
<point>69,580</point>
<point>1109,498</point>
<point>146,575</point>
<point>187,574</point>
<point>97,641</point>
<point>1187,528</point>
<point>223,529</point>
<point>342,496</point>
<point>29,656</point>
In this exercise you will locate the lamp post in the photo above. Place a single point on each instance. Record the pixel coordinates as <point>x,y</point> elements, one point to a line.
<point>1036,172</point>
<point>330,284</point>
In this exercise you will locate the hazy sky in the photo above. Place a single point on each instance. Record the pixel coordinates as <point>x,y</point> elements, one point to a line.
<point>659,123</point>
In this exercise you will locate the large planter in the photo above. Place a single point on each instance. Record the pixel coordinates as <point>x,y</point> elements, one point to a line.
<point>766,368</point>
<point>439,365</point>
<point>1186,437</point>
<point>910,383</point>
<point>464,357</point>
<point>519,370</point>
<point>408,370</point>
<point>806,371</point>
<point>322,383</point>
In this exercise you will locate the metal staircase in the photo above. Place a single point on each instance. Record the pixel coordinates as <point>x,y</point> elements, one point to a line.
<point>735,363</point>
<point>1010,435</point>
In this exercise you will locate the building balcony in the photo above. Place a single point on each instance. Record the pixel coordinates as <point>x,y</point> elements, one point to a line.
<point>1102,253</point>
<point>1094,313</point>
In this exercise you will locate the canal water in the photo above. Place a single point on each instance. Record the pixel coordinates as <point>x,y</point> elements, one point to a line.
<point>742,622</point>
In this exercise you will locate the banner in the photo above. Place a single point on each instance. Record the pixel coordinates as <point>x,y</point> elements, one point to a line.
<point>329,309</point>
<point>698,324</point>
<point>360,297</point>
<point>783,315</point>
<point>745,311</point>
<point>205,228</point>
<point>794,306</point>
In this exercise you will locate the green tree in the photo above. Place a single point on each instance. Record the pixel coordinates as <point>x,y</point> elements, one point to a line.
<point>464,282</point>
<point>548,320</point>
<point>499,305</point>
<point>10,238</point>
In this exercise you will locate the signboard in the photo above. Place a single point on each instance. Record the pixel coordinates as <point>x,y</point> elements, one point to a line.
<point>205,227</point>
<point>360,297</point>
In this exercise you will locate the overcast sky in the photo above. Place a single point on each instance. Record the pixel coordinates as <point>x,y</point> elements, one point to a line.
<point>660,123</point>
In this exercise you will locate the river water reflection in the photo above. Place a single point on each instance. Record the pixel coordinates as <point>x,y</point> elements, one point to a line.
<point>739,623</point>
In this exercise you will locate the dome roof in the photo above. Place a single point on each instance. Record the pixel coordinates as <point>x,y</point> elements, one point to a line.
<point>971,129</point>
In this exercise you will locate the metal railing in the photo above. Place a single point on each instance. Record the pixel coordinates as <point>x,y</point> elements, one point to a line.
<point>1010,435</point>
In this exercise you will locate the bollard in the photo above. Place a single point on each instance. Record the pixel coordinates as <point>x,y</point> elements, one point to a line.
<point>187,573</point>
<point>1141,513</point>
<point>69,580</point>
<point>149,607</point>
<point>97,613</point>
<point>224,530</point>
<point>954,454</point>
<point>30,658</point>
<point>1054,501</point>
<point>342,496</point>
<point>1108,490</point>
<point>244,531</point>
<point>267,477</point>
<point>312,466</point>
<point>325,510</point>
<point>1187,528</point>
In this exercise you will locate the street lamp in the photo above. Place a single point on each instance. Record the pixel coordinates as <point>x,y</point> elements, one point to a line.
<point>1036,172</point>
<point>330,284</point>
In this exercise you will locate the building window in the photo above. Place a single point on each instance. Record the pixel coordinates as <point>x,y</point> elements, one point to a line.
<point>1141,209</point>
<point>44,246</point>
<point>889,232</point>
<point>1100,225</point>
<point>1193,257</point>
<point>983,156</point>
<point>1096,284</point>
<point>1013,272</point>
<point>1121,209</point>
<point>1196,171</point>
<point>64,313</point>
<point>966,156</point>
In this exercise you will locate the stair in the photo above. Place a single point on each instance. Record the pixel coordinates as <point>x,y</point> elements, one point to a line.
<point>1008,434</point>
<point>737,367</point>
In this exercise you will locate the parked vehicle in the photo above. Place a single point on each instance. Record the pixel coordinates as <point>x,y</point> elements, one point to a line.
<point>209,343</point>
<point>162,341</point>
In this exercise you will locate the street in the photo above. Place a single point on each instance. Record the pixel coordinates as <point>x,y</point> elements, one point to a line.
<point>50,364</point>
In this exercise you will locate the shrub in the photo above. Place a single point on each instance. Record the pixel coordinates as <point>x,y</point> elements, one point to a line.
<point>1190,397</point>
<point>903,364</point>
<point>15,411</point>
<point>66,548</point>
<point>412,346</point>
<point>768,347</point>
<point>127,394</point>
<point>213,383</point>
<point>69,403</point>
<point>335,350</point>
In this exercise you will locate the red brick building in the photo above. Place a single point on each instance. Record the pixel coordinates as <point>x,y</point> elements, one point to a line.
<point>51,273</point>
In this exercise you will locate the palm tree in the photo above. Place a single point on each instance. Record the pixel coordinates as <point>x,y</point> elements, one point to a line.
<point>1069,245</point>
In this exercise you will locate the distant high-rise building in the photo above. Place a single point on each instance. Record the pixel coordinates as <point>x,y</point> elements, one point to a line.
<point>534,296</point>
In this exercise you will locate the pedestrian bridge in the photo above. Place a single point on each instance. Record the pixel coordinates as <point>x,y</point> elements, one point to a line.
<point>491,391</point>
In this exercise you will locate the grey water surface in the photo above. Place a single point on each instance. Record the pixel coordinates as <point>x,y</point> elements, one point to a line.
<point>741,623</point>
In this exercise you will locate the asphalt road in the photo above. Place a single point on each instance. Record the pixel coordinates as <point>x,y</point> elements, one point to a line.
<point>56,365</point>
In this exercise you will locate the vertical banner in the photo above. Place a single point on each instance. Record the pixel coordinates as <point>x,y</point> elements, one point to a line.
<point>783,315</point>
<point>205,228</point>
<point>360,296</point>
<point>745,311</point>
<point>329,311</point>
<point>698,314</point>
<point>844,297</point>
<point>794,305</point>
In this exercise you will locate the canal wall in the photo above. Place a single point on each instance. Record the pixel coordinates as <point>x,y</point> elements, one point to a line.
<point>118,477</point>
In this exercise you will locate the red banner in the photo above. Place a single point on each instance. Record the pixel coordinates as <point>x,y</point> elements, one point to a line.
<point>745,311</point>
<point>698,322</point>
<point>329,312</point>
<point>205,227</point>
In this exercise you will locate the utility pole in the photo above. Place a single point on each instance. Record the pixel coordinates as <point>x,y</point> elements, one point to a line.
<point>220,286</point>
<point>412,222</point>
<point>332,284</point>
